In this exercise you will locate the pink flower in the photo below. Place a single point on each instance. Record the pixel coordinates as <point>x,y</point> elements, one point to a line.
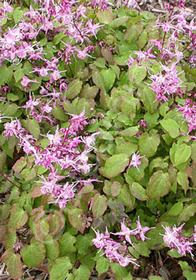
<point>140,231</point>
<point>174,239</point>
<point>125,231</point>
<point>25,82</point>
<point>135,160</point>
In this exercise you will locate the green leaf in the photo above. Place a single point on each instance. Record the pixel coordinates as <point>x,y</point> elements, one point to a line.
<point>9,110</point>
<point>182,154</point>
<point>84,243</point>
<point>187,213</point>
<point>89,92</point>
<point>142,249</point>
<point>159,185</point>
<point>126,197</point>
<point>189,275</point>
<point>33,254</point>
<point>17,15</point>
<point>109,78</point>
<point>143,39</point>
<point>176,209</point>
<point>99,205</point>
<point>56,223</point>
<point>148,98</point>
<point>18,217</point>
<point>59,114</point>
<point>58,37</point>
<point>114,165</point>
<point>139,73</point>
<point>66,244</point>
<point>19,165</point>
<point>5,75</point>
<point>129,106</point>
<point>73,89</point>
<point>3,157</point>
<point>155,241</point>
<point>77,219</point>
<point>102,265</point>
<point>98,80</point>
<point>183,181</point>
<point>10,239</point>
<point>29,174</point>
<point>118,270</point>
<point>82,272</point>
<point>133,33</point>
<point>33,127</point>
<point>119,21</point>
<point>148,144</point>
<point>41,229</point>
<point>130,131</point>
<point>138,191</point>
<point>52,248</point>
<point>18,74</point>
<point>171,127</point>
<point>14,264</point>
<point>59,270</point>
<point>105,16</point>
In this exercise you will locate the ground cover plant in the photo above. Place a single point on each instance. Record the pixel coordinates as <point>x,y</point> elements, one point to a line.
<point>97,144</point>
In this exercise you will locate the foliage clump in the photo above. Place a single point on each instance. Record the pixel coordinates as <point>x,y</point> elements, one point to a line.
<point>97,144</point>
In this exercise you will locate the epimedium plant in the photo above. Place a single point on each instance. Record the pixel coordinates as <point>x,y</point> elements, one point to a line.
<point>98,152</point>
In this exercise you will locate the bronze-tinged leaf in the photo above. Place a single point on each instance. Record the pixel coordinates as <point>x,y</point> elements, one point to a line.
<point>3,156</point>
<point>138,191</point>
<point>99,205</point>
<point>19,165</point>
<point>18,217</point>
<point>14,264</point>
<point>77,219</point>
<point>56,223</point>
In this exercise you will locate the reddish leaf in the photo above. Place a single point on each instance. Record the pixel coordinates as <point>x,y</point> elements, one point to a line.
<point>13,262</point>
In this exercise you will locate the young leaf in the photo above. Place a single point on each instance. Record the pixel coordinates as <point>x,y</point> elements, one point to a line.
<point>33,254</point>
<point>182,154</point>
<point>102,265</point>
<point>171,126</point>
<point>138,191</point>
<point>14,264</point>
<point>52,248</point>
<point>59,270</point>
<point>114,165</point>
<point>3,157</point>
<point>99,205</point>
<point>159,185</point>
<point>82,272</point>
<point>56,223</point>
<point>77,219</point>
<point>148,144</point>
<point>73,89</point>
<point>66,244</point>
<point>18,217</point>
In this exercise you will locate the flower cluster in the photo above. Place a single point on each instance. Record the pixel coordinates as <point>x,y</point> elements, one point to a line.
<point>67,148</point>
<point>175,239</point>
<point>167,84</point>
<point>116,251</point>
<point>189,112</point>
<point>113,250</point>
<point>52,18</point>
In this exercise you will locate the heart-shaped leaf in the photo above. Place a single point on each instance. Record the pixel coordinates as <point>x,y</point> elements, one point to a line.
<point>33,254</point>
<point>114,165</point>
